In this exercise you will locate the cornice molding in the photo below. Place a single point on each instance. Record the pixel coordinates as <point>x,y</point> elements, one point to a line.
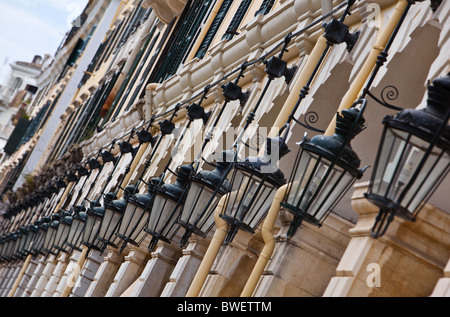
<point>166,11</point>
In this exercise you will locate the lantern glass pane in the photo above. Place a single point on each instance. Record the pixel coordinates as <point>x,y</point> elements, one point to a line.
<point>133,222</point>
<point>399,158</point>
<point>19,244</point>
<point>59,235</point>
<point>49,237</point>
<point>75,232</point>
<point>31,235</point>
<point>162,216</point>
<point>39,240</point>
<point>91,229</point>
<point>110,225</point>
<point>250,199</point>
<point>23,239</point>
<point>317,186</point>
<point>16,246</point>
<point>198,199</point>
<point>65,235</point>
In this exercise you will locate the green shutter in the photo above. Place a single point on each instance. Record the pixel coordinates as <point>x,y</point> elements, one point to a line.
<point>16,136</point>
<point>237,19</point>
<point>75,53</point>
<point>94,113</point>
<point>186,35</point>
<point>131,78</point>
<point>265,7</point>
<point>226,4</point>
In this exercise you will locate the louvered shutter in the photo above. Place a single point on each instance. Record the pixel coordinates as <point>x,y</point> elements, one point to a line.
<point>188,31</point>
<point>265,7</point>
<point>237,19</point>
<point>226,4</point>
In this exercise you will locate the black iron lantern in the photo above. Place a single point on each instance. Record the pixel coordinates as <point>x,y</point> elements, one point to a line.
<point>79,217</point>
<point>254,183</point>
<point>136,214</point>
<point>5,242</point>
<point>412,159</point>
<point>10,242</point>
<point>324,169</point>
<point>65,223</point>
<point>38,240</point>
<point>205,190</point>
<point>2,249</point>
<point>24,236</point>
<point>94,219</point>
<point>50,237</point>
<point>33,231</point>
<point>18,244</point>
<point>114,209</point>
<point>168,199</point>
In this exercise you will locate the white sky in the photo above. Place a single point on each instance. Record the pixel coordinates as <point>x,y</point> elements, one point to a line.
<point>33,27</point>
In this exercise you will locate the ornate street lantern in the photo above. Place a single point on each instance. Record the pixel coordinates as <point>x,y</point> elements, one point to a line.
<point>205,190</point>
<point>136,214</point>
<point>254,183</point>
<point>38,241</point>
<point>164,211</point>
<point>79,217</point>
<point>24,236</point>
<point>114,209</point>
<point>2,248</point>
<point>15,254</point>
<point>50,237</point>
<point>323,171</point>
<point>65,223</point>
<point>413,158</point>
<point>10,240</point>
<point>94,219</point>
<point>33,230</point>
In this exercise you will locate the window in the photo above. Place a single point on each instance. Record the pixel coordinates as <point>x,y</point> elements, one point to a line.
<point>265,7</point>
<point>226,4</point>
<point>236,21</point>
<point>178,47</point>
<point>129,82</point>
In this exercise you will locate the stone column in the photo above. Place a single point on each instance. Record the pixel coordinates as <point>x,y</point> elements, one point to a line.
<point>106,273</point>
<point>407,261</point>
<point>157,271</point>
<point>3,273</point>
<point>6,273</point>
<point>45,276</point>
<point>442,288</point>
<point>303,264</point>
<point>88,272</point>
<point>232,266</point>
<point>21,288</point>
<point>13,273</point>
<point>67,276</point>
<point>186,267</point>
<point>53,281</point>
<point>130,270</point>
<point>35,275</point>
